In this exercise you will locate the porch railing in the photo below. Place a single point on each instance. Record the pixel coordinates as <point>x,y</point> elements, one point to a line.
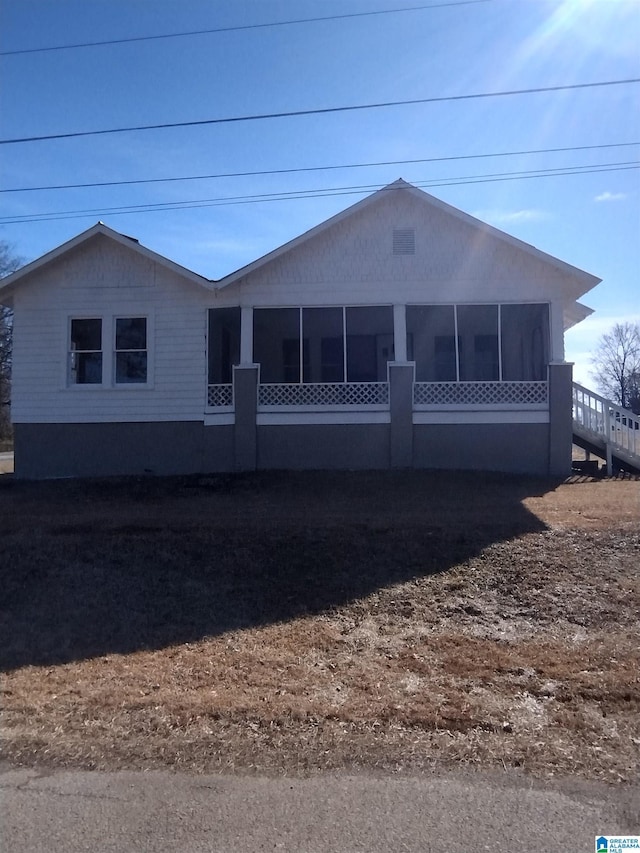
<point>615,426</point>
<point>220,396</point>
<point>367,394</point>
<point>532,395</point>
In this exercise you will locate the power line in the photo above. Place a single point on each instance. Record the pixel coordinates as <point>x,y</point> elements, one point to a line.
<point>238,28</point>
<point>318,193</point>
<point>298,170</point>
<point>321,111</point>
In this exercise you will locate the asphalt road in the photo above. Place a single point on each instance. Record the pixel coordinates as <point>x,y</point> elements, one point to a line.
<point>66,812</point>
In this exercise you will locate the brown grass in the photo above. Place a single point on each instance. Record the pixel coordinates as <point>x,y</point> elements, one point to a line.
<point>299,622</point>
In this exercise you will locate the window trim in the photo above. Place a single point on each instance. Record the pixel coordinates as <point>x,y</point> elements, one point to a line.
<point>115,350</point>
<point>69,352</point>
<point>108,341</point>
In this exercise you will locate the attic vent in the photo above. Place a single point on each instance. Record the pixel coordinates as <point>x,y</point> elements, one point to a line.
<point>404,241</point>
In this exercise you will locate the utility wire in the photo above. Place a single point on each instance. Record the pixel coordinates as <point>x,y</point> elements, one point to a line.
<point>240,27</point>
<point>315,168</point>
<point>319,193</point>
<point>321,111</point>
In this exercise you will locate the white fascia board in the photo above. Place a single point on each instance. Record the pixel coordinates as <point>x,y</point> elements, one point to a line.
<point>9,283</point>
<point>575,313</point>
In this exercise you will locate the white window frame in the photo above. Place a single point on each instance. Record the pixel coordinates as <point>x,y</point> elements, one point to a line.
<point>115,350</point>
<point>69,352</point>
<point>109,351</point>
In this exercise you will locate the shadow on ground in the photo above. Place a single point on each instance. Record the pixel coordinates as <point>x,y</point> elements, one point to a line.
<point>89,568</point>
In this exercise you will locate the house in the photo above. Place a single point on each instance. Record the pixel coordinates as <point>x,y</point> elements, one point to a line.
<point>400,333</point>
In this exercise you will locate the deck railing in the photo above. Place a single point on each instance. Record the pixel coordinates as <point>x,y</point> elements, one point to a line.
<point>606,420</point>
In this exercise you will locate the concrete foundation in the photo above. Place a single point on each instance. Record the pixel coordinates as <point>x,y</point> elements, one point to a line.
<point>44,451</point>
<point>186,447</point>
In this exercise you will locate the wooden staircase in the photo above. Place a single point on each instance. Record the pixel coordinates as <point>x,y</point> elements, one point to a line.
<point>607,430</point>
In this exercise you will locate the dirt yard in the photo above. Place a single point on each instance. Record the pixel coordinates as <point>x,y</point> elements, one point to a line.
<point>300,622</point>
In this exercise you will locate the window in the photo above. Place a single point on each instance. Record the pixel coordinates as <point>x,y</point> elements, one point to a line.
<point>308,344</point>
<point>224,344</point>
<point>130,350</point>
<point>85,352</point>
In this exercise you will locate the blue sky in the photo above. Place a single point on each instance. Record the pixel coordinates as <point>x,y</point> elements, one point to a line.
<point>591,220</point>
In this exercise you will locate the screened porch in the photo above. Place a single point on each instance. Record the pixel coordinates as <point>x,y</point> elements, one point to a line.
<point>337,358</point>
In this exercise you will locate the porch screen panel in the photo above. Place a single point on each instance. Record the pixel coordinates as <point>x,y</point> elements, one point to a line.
<point>322,333</point>
<point>478,343</point>
<point>224,344</point>
<point>276,343</point>
<point>525,342</point>
<point>431,342</point>
<point>369,343</point>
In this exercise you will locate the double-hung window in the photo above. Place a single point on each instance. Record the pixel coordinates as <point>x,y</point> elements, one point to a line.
<point>130,350</point>
<point>89,360</point>
<point>85,351</point>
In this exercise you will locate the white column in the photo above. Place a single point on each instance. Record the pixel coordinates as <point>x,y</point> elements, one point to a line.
<point>400,333</point>
<point>246,335</point>
<point>557,332</point>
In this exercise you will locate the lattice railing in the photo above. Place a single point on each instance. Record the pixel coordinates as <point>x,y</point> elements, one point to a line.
<point>219,396</point>
<point>324,394</point>
<point>480,394</point>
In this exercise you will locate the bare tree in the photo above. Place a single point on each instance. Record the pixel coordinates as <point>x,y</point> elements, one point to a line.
<point>616,365</point>
<point>634,393</point>
<point>9,262</point>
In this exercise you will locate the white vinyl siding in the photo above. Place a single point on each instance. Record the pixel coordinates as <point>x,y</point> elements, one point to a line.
<point>76,287</point>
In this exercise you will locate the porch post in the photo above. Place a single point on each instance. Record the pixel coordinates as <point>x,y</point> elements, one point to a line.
<point>401,410</point>
<point>557,332</point>
<point>246,335</point>
<point>399,333</point>
<point>560,419</point>
<point>245,396</point>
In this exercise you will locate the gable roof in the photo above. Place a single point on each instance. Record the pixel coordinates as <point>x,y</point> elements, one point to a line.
<point>8,283</point>
<point>573,314</point>
<point>585,280</point>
